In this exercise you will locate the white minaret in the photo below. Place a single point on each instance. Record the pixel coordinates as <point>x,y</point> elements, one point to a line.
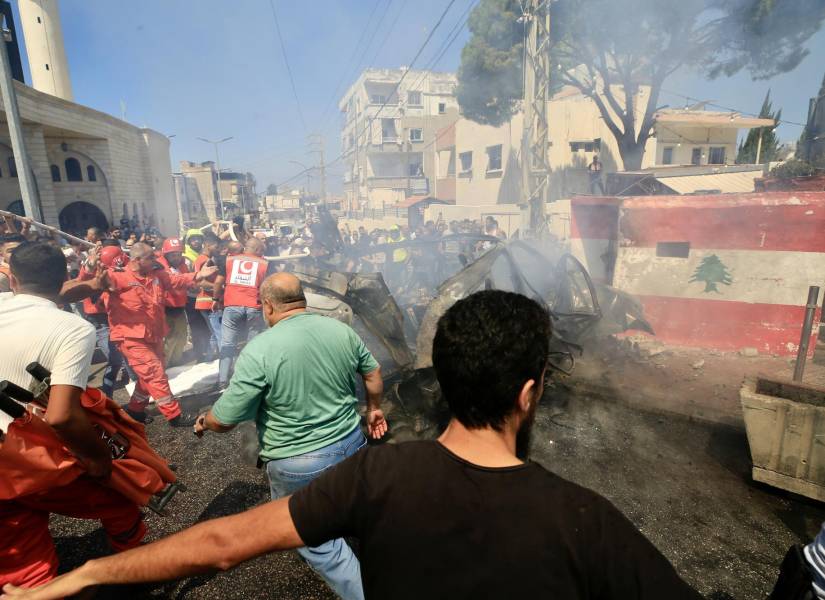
<point>44,45</point>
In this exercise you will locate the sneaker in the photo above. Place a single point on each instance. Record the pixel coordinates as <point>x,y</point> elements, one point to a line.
<point>183,420</point>
<point>139,416</point>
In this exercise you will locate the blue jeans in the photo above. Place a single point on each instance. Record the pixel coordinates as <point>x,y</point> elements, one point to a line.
<point>116,362</point>
<point>334,561</point>
<point>239,323</point>
<point>213,321</point>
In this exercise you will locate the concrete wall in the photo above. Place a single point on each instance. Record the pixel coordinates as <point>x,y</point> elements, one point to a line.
<point>739,276</point>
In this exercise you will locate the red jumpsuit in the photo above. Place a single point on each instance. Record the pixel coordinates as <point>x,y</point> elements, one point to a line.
<point>138,325</point>
<point>27,553</point>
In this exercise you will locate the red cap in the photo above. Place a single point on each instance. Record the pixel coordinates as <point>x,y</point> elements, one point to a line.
<point>172,245</point>
<point>113,256</point>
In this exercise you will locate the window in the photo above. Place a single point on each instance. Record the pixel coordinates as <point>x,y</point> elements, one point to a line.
<point>416,170</point>
<point>416,135</point>
<point>91,174</point>
<point>388,133</point>
<point>494,158</point>
<point>47,66</point>
<point>717,156</point>
<point>696,156</point>
<point>378,99</point>
<point>55,172</point>
<point>586,145</point>
<point>667,156</point>
<point>466,159</point>
<point>414,98</point>
<point>673,249</point>
<point>442,108</point>
<point>73,172</point>
<point>12,167</point>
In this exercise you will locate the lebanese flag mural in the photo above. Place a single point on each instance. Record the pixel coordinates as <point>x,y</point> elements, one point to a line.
<point>720,271</point>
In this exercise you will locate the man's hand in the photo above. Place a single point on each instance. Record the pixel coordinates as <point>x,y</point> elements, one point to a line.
<point>200,425</point>
<point>61,587</point>
<point>206,272</point>
<point>376,423</point>
<point>101,281</point>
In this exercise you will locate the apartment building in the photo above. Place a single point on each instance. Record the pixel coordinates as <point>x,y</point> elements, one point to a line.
<point>480,165</point>
<point>390,122</point>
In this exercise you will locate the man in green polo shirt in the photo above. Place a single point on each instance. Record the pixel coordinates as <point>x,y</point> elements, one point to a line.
<point>297,382</point>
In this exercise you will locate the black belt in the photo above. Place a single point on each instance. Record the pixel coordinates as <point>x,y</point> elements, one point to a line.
<point>175,310</point>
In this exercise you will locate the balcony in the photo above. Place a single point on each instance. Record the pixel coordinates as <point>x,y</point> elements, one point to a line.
<point>413,185</point>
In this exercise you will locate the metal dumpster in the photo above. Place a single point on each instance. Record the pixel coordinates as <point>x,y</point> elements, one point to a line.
<point>785,423</point>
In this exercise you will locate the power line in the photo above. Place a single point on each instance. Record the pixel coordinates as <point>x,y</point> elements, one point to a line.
<point>371,120</point>
<point>345,72</point>
<point>286,61</point>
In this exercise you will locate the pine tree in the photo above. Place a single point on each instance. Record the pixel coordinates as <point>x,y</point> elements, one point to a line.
<point>710,272</point>
<point>770,143</point>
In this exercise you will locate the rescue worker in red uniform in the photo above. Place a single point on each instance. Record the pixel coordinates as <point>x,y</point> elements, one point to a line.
<point>242,317</point>
<point>171,257</point>
<point>138,325</point>
<point>94,307</point>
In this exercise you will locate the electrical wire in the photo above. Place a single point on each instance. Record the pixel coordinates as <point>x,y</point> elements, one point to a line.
<point>354,64</point>
<point>286,61</point>
<point>395,89</point>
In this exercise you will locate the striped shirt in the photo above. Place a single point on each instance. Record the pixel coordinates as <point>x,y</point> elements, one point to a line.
<point>35,329</point>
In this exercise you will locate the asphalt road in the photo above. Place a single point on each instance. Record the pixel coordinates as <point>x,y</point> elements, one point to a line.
<point>684,484</point>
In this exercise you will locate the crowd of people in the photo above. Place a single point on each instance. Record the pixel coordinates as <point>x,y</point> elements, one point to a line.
<point>466,515</point>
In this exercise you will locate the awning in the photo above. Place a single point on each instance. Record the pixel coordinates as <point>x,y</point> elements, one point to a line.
<point>725,183</point>
<point>415,200</point>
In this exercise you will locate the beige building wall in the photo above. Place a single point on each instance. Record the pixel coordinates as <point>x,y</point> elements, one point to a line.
<point>128,175</point>
<point>159,168</point>
<point>575,118</point>
<point>483,185</point>
<point>683,141</point>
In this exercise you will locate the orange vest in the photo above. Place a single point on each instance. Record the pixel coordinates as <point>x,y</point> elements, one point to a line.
<point>203,301</point>
<point>244,276</point>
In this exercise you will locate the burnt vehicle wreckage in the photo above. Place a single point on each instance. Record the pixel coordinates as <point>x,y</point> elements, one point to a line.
<point>582,311</point>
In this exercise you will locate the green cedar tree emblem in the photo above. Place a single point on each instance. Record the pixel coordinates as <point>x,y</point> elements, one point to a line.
<point>712,271</point>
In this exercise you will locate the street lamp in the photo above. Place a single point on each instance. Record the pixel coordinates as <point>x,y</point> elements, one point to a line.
<point>218,168</point>
<point>306,169</point>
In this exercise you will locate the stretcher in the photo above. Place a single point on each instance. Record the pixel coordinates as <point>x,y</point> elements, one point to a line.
<point>34,459</point>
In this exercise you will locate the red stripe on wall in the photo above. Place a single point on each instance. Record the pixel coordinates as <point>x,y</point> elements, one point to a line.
<point>745,227</point>
<point>726,325</point>
<point>594,221</point>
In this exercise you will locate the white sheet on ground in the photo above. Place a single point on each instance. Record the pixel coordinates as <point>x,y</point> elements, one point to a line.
<point>189,379</point>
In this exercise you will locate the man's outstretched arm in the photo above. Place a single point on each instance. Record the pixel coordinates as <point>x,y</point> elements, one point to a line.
<point>219,544</point>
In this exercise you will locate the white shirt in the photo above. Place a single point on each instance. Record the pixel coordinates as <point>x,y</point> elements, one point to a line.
<point>35,329</point>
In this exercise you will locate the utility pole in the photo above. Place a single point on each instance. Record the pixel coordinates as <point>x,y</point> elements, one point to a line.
<point>28,191</point>
<point>218,168</point>
<point>535,142</point>
<point>316,145</point>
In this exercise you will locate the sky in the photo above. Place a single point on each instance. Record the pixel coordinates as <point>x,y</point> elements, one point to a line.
<point>204,68</point>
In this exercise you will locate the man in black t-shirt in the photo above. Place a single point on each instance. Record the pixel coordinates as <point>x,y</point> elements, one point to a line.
<point>465,516</point>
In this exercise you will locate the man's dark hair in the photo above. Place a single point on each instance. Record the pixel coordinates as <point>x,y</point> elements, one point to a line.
<point>39,268</point>
<point>210,238</point>
<point>486,347</point>
<point>11,237</point>
<point>109,242</point>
